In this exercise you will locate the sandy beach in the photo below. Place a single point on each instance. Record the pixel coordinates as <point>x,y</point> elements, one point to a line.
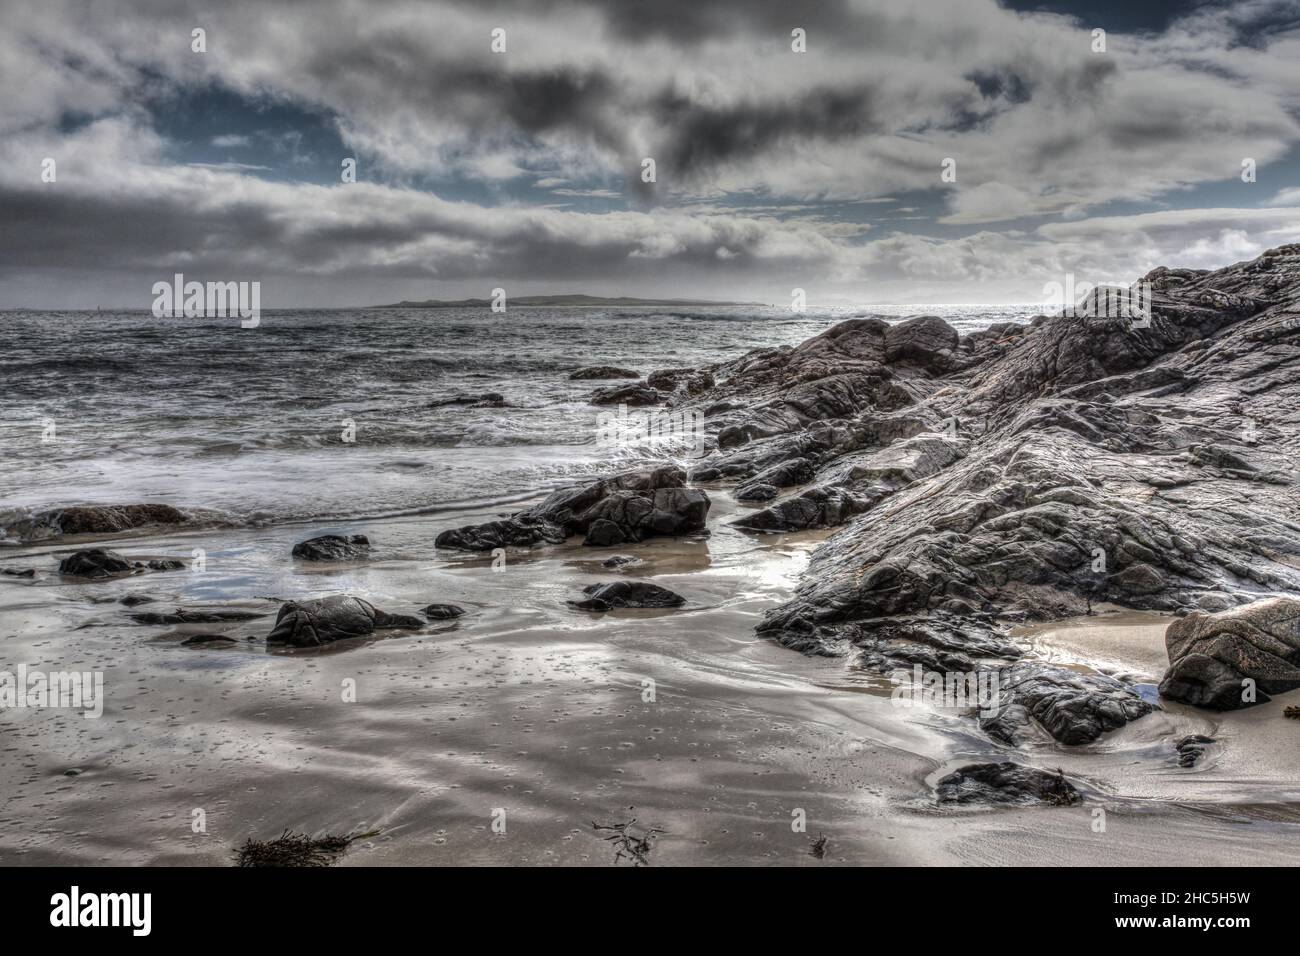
<point>529,706</point>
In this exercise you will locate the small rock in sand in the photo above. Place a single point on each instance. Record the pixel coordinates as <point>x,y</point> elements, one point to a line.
<point>1006,783</point>
<point>323,621</point>
<point>442,612</point>
<point>604,597</point>
<point>332,547</point>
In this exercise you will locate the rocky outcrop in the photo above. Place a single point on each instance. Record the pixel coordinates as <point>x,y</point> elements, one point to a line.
<point>606,597</point>
<point>1032,472</point>
<point>1234,658</point>
<point>597,372</point>
<point>1006,783</point>
<point>332,547</point>
<point>626,508</point>
<point>101,563</point>
<point>336,618</point>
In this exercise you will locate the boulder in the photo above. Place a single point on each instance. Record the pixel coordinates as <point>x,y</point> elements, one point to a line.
<point>108,519</point>
<point>332,547</point>
<point>926,341</point>
<point>604,597</point>
<point>1212,657</point>
<point>626,508</point>
<point>1073,707</point>
<point>101,563</point>
<point>1006,783</point>
<point>326,620</point>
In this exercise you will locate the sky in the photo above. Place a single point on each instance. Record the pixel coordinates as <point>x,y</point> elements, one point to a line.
<point>913,151</point>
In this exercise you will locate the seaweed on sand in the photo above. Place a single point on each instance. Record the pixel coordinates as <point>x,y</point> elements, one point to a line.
<point>819,846</point>
<point>296,849</point>
<point>630,841</point>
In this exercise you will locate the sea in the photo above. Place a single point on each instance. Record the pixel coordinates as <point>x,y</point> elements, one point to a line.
<point>336,414</point>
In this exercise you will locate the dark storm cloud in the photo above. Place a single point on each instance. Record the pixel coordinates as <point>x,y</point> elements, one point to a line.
<point>229,161</point>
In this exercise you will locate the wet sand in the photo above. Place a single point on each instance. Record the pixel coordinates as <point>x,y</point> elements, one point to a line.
<point>527,706</point>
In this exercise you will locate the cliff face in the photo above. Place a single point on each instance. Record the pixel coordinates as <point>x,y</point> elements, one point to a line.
<point>1032,472</point>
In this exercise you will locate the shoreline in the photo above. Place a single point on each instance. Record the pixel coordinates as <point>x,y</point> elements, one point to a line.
<point>529,705</point>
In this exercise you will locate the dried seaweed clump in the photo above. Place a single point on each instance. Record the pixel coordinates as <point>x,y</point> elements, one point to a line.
<point>296,849</point>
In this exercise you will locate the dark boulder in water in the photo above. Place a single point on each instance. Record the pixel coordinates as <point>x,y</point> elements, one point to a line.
<point>591,372</point>
<point>101,563</point>
<point>1215,658</point>
<point>336,618</point>
<point>95,563</point>
<point>626,508</point>
<point>332,547</point>
<point>17,573</point>
<point>634,394</point>
<point>108,519</point>
<point>1006,783</point>
<point>442,612</point>
<point>605,597</point>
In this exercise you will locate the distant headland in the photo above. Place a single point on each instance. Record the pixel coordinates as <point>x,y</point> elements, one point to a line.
<point>556,301</point>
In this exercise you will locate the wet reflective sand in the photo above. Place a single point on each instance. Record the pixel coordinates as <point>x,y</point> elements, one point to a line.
<point>529,707</point>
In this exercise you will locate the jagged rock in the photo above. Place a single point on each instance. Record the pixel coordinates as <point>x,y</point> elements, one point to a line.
<point>814,508</point>
<point>604,597</point>
<point>1006,783</point>
<point>687,380</point>
<point>442,612</point>
<point>332,547</point>
<point>589,372</point>
<point>626,508</point>
<point>1212,656</point>
<point>1074,708</point>
<point>335,618</point>
<point>101,563</point>
<point>757,491</point>
<point>633,394</point>
<point>926,341</point>
<point>521,531</point>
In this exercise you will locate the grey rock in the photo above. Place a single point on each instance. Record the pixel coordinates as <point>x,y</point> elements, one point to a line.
<point>326,620</point>
<point>604,597</point>
<point>332,547</point>
<point>1006,783</point>
<point>1213,656</point>
<point>442,612</point>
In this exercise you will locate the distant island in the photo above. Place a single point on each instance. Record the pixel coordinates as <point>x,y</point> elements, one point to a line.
<point>554,301</point>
